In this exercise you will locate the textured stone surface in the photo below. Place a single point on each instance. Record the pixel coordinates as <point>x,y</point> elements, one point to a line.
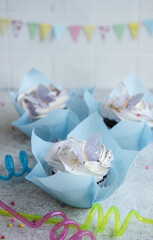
<point>135,193</point>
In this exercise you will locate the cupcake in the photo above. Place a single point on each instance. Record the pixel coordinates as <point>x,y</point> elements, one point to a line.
<point>40,103</point>
<point>82,165</point>
<point>123,106</point>
<point>88,158</point>
<point>40,100</point>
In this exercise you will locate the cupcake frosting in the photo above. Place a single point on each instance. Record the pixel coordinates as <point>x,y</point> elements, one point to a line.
<point>40,100</point>
<point>123,106</point>
<point>81,157</point>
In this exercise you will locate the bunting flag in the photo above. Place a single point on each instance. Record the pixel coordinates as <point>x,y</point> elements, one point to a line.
<point>149,26</point>
<point>134,28</point>
<point>89,30</point>
<point>33,28</point>
<point>75,32</point>
<point>17,26</point>
<point>44,30</point>
<point>4,24</point>
<point>58,30</point>
<point>104,31</point>
<point>119,29</point>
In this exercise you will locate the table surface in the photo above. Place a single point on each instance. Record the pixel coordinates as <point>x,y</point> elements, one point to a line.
<point>135,193</point>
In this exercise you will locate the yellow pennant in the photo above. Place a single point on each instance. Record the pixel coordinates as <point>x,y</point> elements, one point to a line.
<point>89,30</point>
<point>134,27</point>
<point>4,24</point>
<point>44,30</point>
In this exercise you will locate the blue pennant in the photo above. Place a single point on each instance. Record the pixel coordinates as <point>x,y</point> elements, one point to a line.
<point>149,25</point>
<point>58,30</point>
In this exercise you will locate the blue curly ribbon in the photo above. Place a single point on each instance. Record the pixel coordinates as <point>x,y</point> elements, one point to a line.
<point>9,162</point>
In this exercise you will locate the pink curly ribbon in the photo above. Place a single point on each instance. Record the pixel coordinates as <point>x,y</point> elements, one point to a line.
<point>65,223</point>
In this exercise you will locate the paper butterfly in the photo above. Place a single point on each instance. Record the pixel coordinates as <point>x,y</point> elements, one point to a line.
<point>92,148</point>
<point>122,98</point>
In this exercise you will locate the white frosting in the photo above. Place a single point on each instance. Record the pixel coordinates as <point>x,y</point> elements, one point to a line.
<point>41,100</point>
<point>122,106</point>
<point>61,157</point>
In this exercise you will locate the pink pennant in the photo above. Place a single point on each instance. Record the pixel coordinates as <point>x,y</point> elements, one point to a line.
<point>17,26</point>
<point>75,31</point>
<point>104,31</point>
<point>2,104</point>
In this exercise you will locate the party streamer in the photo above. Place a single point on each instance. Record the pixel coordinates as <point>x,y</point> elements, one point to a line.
<point>102,220</point>
<point>10,166</point>
<point>65,223</point>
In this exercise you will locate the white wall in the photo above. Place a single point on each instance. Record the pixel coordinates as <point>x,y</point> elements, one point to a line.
<point>77,64</point>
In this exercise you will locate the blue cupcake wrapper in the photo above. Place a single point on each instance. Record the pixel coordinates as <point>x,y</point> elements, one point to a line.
<point>78,190</point>
<point>76,111</point>
<point>130,135</point>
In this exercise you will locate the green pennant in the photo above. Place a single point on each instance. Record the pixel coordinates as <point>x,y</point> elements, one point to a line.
<point>33,27</point>
<point>119,29</point>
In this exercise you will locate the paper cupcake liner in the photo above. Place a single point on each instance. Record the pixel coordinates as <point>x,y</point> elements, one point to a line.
<point>78,190</point>
<point>130,135</point>
<point>76,111</point>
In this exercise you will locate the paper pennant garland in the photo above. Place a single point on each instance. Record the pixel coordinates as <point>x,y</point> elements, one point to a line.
<point>75,32</point>
<point>74,29</point>
<point>119,29</point>
<point>33,28</point>
<point>17,26</point>
<point>149,26</point>
<point>44,30</point>
<point>4,24</point>
<point>104,31</point>
<point>89,30</point>
<point>58,30</point>
<point>134,28</point>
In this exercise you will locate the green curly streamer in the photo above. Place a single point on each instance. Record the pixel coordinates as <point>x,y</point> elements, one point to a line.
<point>102,220</point>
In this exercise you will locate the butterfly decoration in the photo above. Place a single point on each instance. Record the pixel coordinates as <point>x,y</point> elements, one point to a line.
<point>122,99</point>
<point>92,151</point>
<point>39,100</point>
